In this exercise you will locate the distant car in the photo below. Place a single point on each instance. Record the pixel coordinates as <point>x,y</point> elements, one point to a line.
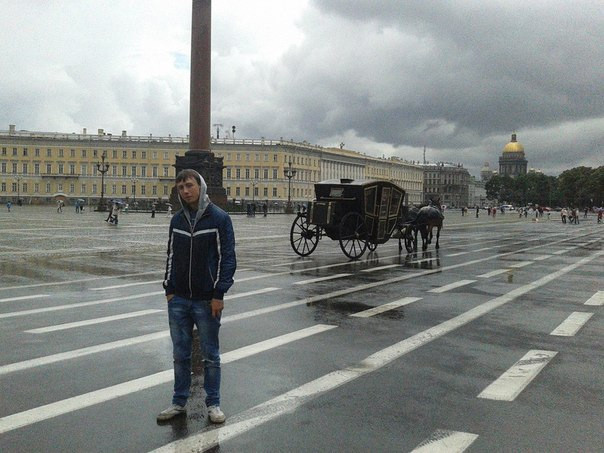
<point>507,207</point>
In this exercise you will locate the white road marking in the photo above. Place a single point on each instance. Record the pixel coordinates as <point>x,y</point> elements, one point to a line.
<point>560,252</point>
<point>288,402</point>
<point>444,441</point>
<point>493,273</point>
<point>379,268</point>
<point>250,293</point>
<point>425,260</point>
<point>597,299</point>
<point>571,325</point>
<point>486,248</point>
<point>542,257</point>
<point>458,254</point>
<point>77,305</point>
<point>385,307</point>
<point>321,279</point>
<point>46,360</point>
<point>90,322</point>
<point>451,286</point>
<point>509,385</point>
<point>69,282</point>
<point>126,285</point>
<point>65,406</point>
<point>33,296</point>
<point>520,264</point>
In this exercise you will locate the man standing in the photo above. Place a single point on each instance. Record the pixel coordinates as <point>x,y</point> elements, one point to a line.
<point>199,271</point>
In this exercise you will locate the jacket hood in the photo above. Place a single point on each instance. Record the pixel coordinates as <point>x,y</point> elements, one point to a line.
<point>202,204</point>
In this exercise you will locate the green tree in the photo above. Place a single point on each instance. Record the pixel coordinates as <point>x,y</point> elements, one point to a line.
<point>574,186</point>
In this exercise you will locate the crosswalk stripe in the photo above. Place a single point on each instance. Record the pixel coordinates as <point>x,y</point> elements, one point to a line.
<point>250,293</point>
<point>450,286</point>
<point>91,322</point>
<point>520,264</point>
<point>38,414</point>
<point>33,296</point>
<point>208,438</point>
<point>444,441</point>
<point>493,273</point>
<point>54,358</point>
<point>509,385</point>
<point>571,325</point>
<point>379,268</point>
<point>76,305</point>
<point>596,299</point>
<point>321,279</point>
<point>385,307</point>
<point>542,257</point>
<point>126,285</point>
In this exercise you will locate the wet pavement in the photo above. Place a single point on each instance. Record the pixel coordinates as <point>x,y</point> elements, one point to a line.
<point>493,343</point>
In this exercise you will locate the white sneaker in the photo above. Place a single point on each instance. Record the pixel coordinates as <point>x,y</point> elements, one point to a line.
<point>171,412</point>
<point>216,415</point>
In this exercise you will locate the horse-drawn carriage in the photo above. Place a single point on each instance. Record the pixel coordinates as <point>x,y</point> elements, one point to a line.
<point>360,214</point>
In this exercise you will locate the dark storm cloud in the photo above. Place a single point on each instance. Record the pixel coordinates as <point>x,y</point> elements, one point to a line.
<point>441,73</point>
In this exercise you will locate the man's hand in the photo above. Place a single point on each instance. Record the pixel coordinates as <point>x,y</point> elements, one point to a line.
<point>169,297</point>
<point>217,306</point>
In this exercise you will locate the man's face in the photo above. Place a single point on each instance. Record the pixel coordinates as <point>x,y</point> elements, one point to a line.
<point>189,191</point>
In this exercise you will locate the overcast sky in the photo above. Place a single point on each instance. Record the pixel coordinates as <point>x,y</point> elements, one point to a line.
<point>385,77</point>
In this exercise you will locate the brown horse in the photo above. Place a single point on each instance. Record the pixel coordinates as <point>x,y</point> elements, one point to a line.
<point>429,217</point>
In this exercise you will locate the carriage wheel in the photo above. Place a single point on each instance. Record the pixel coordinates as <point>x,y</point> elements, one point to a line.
<point>409,240</point>
<point>353,235</point>
<point>303,237</point>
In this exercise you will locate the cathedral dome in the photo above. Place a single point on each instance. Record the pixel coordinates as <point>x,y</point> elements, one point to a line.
<point>514,146</point>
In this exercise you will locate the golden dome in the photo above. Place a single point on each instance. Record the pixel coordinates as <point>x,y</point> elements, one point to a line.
<point>514,146</point>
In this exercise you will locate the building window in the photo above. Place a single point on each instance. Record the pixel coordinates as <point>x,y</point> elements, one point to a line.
<point>133,170</point>
<point>60,152</point>
<point>124,170</point>
<point>123,189</point>
<point>265,173</point>
<point>59,187</point>
<point>247,191</point>
<point>36,188</point>
<point>114,153</point>
<point>95,153</point>
<point>94,188</point>
<point>84,169</point>
<point>83,153</point>
<point>60,169</point>
<point>238,157</point>
<point>143,171</point>
<point>48,169</point>
<point>265,192</point>
<point>238,191</point>
<point>48,152</point>
<point>154,190</point>
<point>47,187</point>
<point>14,186</point>
<point>134,154</point>
<point>24,151</point>
<point>4,150</point>
<point>143,154</point>
<point>274,192</point>
<point>72,152</point>
<point>274,173</point>
<point>3,167</point>
<point>71,188</point>
<point>114,189</point>
<point>14,151</point>
<point>166,170</point>
<point>3,187</point>
<point>36,169</point>
<point>247,173</point>
<point>24,167</point>
<point>155,170</point>
<point>143,190</point>
<point>83,189</point>
<point>165,190</point>
<point>124,154</point>
<point>238,173</point>
<point>72,169</point>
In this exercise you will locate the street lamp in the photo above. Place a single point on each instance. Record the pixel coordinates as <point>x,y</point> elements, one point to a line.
<point>103,168</point>
<point>134,181</point>
<point>18,190</point>
<point>289,173</point>
<point>254,184</point>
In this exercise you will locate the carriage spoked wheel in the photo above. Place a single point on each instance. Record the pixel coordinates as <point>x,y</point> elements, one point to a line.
<point>353,235</point>
<point>303,236</point>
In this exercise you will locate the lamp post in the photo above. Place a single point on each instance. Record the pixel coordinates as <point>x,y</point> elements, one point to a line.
<point>254,184</point>
<point>103,168</point>
<point>134,181</point>
<point>289,173</point>
<point>18,190</point>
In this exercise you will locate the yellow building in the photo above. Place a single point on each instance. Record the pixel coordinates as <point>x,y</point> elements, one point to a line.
<point>40,167</point>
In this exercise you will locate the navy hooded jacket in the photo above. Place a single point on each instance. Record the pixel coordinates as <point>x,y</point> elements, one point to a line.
<point>201,252</point>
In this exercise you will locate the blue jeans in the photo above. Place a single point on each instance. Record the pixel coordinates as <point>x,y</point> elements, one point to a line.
<point>183,314</point>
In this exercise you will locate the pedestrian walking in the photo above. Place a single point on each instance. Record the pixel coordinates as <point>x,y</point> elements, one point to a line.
<point>477,211</point>
<point>153,211</point>
<point>9,204</point>
<point>199,271</point>
<point>264,209</point>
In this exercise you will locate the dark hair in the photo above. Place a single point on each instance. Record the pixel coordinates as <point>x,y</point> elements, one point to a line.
<point>186,174</point>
